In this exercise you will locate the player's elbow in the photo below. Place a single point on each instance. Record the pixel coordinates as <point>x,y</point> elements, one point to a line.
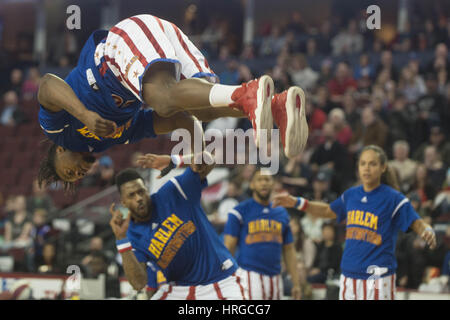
<point>44,85</point>
<point>138,284</point>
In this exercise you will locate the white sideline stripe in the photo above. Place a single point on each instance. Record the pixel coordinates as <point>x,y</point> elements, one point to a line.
<point>175,182</point>
<point>52,131</point>
<point>399,205</point>
<point>236,213</point>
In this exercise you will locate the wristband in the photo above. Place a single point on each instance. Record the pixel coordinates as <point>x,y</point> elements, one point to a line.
<point>301,204</point>
<point>123,245</point>
<point>177,160</point>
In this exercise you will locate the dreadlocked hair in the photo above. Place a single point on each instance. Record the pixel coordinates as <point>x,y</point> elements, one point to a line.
<point>390,176</point>
<point>47,172</point>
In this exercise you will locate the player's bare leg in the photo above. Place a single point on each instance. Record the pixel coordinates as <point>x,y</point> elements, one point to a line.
<point>166,96</point>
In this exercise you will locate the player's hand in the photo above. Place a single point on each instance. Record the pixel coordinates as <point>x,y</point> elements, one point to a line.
<point>284,200</point>
<point>430,237</point>
<point>118,224</point>
<point>154,161</point>
<point>296,293</point>
<point>99,126</point>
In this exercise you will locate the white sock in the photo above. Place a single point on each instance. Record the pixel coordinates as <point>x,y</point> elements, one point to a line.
<point>220,95</point>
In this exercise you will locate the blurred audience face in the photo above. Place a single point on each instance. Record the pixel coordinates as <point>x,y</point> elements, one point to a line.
<point>39,217</point>
<point>348,102</point>
<point>38,191</point>
<point>364,60</point>
<point>48,252</point>
<point>96,244</point>
<point>421,173</point>
<point>298,62</point>
<point>430,156</point>
<point>401,150</point>
<point>367,116</point>
<point>328,131</point>
<point>10,98</point>
<point>436,137</point>
<point>20,203</point>
<point>16,76</point>
<point>441,51</point>
<point>328,233</point>
<point>386,58</point>
<point>342,71</point>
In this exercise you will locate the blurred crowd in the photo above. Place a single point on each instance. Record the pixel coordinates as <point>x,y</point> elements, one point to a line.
<point>360,90</point>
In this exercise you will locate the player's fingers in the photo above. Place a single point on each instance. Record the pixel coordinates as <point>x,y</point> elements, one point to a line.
<point>111,208</point>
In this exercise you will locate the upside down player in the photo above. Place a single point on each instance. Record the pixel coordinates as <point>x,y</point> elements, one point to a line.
<point>147,60</point>
<point>374,213</point>
<point>170,229</point>
<point>262,235</point>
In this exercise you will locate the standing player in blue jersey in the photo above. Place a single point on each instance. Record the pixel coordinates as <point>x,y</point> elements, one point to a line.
<point>144,60</point>
<point>374,213</point>
<point>171,230</point>
<point>262,235</point>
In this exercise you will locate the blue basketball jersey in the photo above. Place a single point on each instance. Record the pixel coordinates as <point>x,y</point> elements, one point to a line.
<point>100,91</point>
<point>373,220</point>
<point>261,231</point>
<point>179,238</point>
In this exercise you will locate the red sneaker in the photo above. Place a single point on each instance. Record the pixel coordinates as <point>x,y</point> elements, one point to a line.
<point>288,111</point>
<point>254,99</point>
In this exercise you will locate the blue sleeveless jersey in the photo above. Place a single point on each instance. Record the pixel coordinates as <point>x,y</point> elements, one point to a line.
<point>179,239</point>
<point>373,221</point>
<point>101,92</point>
<point>261,231</point>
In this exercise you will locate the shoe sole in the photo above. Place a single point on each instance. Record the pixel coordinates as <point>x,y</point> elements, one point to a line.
<point>263,111</point>
<point>297,127</point>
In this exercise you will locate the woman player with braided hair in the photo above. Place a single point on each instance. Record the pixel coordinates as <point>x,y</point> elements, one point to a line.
<point>374,212</point>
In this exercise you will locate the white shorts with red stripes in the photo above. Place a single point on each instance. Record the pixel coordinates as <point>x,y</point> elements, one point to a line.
<point>261,286</point>
<point>135,43</point>
<point>230,288</point>
<point>382,288</point>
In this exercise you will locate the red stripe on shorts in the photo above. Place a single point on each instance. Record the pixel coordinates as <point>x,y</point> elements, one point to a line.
<point>278,287</point>
<point>185,47</point>
<point>392,286</point>
<point>238,280</point>
<point>121,33</point>
<point>149,36</point>
<point>365,289</point>
<point>271,288</point>
<point>376,289</point>
<point>122,76</point>
<point>345,289</point>
<point>249,286</point>
<point>191,295</point>
<point>164,296</point>
<point>219,293</point>
<point>262,286</point>
<point>354,289</point>
<point>159,22</point>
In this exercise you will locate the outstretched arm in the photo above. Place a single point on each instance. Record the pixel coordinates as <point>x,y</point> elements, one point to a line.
<point>314,208</point>
<point>290,260</point>
<point>56,95</point>
<point>425,231</point>
<point>134,270</point>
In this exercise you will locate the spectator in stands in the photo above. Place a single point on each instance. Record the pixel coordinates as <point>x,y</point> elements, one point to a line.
<point>316,119</point>
<point>311,48</point>
<point>351,111</point>
<point>364,69</point>
<point>322,99</point>
<point>387,64</point>
<point>30,86</point>
<point>406,167</point>
<point>301,74</point>
<point>322,187</point>
<point>296,175</point>
<point>424,188</point>
<point>18,226</point>
<point>342,82</point>
<point>328,256</point>
<point>399,120</point>
<point>95,246</point>
<point>410,85</point>
<point>438,140</point>
<point>231,75</point>
<point>15,81</point>
<point>272,44</point>
<point>441,203</point>
<point>333,156</point>
<point>305,247</point>
<point>435,167</point>
<point>372,130</point>
<point>326,72</point>
<point>440,62</point>
<point>296,24</point>
<point>11,115</point>
<point>49,258</point>
<point>106,168</point>
<point>343,131</point>
<point>39,199</point>
<point>348,41</point>
<point>244,74</point>
<point>40,234</point>
<point>324,38</point>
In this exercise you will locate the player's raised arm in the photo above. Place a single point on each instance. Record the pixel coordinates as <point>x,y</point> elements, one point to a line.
<point>56,95</point>
<point>135,272</point>
<point>315,208</point>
